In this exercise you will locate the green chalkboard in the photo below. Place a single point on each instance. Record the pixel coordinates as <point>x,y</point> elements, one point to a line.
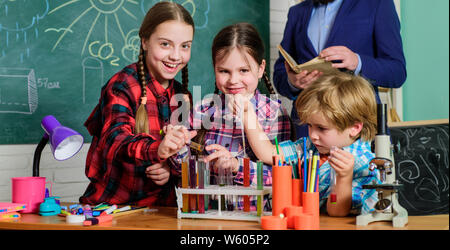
<point>56,55</point>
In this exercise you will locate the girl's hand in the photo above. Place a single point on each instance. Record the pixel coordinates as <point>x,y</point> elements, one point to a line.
<point>176,137</point>
<point>222,158</point>
<point>303,79</point>
<point>159,173</point>
<point>342,162</point>
<point>238,103</point>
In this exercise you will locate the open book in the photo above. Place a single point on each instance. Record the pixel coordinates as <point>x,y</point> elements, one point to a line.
<point>314,64</point>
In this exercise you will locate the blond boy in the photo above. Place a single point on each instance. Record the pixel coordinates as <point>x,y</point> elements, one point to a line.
<point>340,111</point>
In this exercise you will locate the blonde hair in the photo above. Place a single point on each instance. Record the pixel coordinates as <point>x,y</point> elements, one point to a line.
<point>344,100</point>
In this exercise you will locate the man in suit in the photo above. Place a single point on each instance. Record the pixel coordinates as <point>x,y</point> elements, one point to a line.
<point>358,36</point>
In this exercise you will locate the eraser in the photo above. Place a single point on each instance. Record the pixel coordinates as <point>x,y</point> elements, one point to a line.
<point>73,218</point>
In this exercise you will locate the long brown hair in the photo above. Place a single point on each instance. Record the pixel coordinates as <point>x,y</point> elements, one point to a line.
<point>158,14</point>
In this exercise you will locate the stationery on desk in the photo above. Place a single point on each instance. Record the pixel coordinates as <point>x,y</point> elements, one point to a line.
<point>11,207</point>
<point>9,210</point>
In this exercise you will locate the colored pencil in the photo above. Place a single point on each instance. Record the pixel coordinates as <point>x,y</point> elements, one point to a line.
<point>299,166</point>
<point>305,163</point>
<point>276,144</point>
<point>309,169</point>
<point>294,171</point>
<point>313,173</point>
<point>317,175</point>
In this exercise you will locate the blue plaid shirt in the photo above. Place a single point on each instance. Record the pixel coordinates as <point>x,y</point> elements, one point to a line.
<point>363,200</point>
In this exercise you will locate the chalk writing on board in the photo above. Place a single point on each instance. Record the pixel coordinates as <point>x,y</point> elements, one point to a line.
<point>18,91</point>
<point>45,83</point>
<point>422,167</point>
<point>19,28</point>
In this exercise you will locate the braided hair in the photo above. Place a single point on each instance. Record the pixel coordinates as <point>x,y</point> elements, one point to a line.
<point>141,114</point>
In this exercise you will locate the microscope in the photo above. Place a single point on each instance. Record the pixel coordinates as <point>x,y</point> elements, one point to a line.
<point>387,208</point>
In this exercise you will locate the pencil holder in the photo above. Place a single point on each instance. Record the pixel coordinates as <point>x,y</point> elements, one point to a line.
<point>281,188</point>
<point>311,206</point>
<point>297,187</point>
<point>304,221</point>
<point>273,223</point>
<point>290,213</point>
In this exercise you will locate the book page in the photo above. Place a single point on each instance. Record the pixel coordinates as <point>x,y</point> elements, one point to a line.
<point>313,64</point>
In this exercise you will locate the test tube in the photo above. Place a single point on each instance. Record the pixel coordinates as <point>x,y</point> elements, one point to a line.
<point>332,196</point>
<point>221,176</point>
<point>246,184</point>
<point>229,179</point>
<point>259,177</point>
<point>193,184</point>
<point>207,181</point>
<point>201,185</point>
<point>185,184</point>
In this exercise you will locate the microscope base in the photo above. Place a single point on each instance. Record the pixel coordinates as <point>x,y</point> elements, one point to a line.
<point>399,219</point>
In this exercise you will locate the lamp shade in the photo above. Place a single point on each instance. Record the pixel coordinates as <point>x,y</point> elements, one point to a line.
<point>64,142</point>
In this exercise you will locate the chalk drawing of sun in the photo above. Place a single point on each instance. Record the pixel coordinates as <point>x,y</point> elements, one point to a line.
<point>105,18</point>
<point>108,29</point>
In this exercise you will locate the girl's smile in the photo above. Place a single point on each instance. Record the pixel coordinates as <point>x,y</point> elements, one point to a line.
<point>238,73</point>
<point>168,50</point>
<point>234,91</point>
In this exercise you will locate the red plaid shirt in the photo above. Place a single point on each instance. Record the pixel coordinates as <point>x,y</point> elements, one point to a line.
<point>117,158</point>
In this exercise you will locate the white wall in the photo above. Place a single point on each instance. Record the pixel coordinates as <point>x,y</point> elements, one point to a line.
<point>278,17</point>
<point>67,177</point>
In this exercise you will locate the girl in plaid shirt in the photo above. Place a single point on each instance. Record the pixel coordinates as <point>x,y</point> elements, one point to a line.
<point>238,60</point>
<point>125,162</point>
<point>340,111</point>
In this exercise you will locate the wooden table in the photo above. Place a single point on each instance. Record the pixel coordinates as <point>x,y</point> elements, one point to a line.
<point>164,218</point>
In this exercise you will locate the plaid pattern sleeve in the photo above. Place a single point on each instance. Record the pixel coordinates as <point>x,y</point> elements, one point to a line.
<point>363,200</point>
<point>117,158</point>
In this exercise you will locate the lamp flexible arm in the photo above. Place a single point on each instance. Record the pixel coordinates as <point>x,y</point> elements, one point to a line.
<point>37,154</point>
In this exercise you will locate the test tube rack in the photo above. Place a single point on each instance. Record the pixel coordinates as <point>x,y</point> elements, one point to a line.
<point>223,190</point>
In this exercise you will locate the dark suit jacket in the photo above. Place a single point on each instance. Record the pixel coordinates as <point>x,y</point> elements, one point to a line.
<point>370,28</point>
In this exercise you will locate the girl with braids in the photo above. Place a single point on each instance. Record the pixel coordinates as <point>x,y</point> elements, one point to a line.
<point>238,60</point>
<point>126,160</point>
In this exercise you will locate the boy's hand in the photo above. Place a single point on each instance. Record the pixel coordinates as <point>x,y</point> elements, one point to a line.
<point>176,137</point>
<point>342,162</point>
